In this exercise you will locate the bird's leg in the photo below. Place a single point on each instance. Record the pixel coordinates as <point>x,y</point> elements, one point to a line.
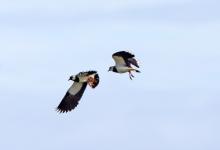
<point>130,75</point>
<point>130,70</point>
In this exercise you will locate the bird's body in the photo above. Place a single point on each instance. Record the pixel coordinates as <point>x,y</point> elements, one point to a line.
<point>123,63</point>
<point>121,69</point>
<point>75,92</point>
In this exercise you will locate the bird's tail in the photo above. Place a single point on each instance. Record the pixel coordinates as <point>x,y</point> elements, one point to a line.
<point>138,71</point>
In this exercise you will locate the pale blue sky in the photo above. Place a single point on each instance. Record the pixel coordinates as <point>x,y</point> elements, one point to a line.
<point>172,105</point>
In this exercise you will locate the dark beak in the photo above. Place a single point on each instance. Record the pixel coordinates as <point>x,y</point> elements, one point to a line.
<point>71,78</point>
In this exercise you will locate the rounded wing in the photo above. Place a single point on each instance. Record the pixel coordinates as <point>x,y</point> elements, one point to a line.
<point>133,61</point>
<point>119,61</point>
<point>83,76</point>
<point>125,58</point>
<point>90,77</point>
<point>124,54</point>
<point>72,97</point>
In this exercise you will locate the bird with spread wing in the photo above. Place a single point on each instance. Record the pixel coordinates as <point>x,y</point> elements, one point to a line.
<point>75,92</point>
<point>123,63</point>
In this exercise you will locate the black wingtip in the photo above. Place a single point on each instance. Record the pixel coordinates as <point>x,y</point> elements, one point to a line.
<point>67,104</point>
<point>64,108</point>
<point>60,111</point>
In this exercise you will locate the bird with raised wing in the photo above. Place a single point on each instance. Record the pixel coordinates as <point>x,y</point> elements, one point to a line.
<point>123,63</point>
<point>75,92</point>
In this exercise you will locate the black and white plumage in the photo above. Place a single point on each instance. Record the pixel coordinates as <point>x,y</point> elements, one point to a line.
<point>75,92</point>
<point>123,63</point>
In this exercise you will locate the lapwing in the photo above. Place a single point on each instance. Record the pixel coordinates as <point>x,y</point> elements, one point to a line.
<point>123,61</point>
<point>75,92</point>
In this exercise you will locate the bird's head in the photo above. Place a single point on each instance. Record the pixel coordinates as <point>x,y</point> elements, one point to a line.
<point>73,78</point>
<point>111,68</point>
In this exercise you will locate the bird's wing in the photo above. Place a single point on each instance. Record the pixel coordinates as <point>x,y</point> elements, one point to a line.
<point>95,80</point>
<point>118,60</point>
<point>121,57</point>
<point>124,54</point>
<point>72,97</point>
<point>133,61</point>
<point>86,73</point>
<point>83,76</point>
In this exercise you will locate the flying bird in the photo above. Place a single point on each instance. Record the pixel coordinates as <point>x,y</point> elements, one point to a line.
<point>123,63</point>
<point>75,92</point>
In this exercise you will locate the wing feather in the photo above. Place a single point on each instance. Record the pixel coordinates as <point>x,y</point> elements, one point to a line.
<point>83,76</point>
<point>119,60</point>
<point>125,58</point>
<point>133,61</point>
<point>124,54</point>
<point>95,81</point>
<point>72,97</point>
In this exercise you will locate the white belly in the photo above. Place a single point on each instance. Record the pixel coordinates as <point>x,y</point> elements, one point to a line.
<point>122,69</point>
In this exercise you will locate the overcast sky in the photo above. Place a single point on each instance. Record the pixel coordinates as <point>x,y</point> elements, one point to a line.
<point>172,105</point>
